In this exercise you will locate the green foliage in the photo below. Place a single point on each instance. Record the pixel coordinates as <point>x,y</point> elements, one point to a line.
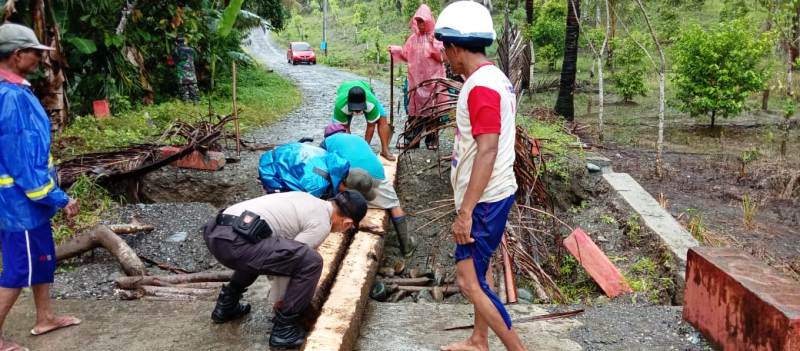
<point>734,9</point>
<point>555,144</point>
<point>789,109</point>
<point>632,67</point>
<point>133,66</point>
<point>643,277</point>
<point>608,219</point>
<point>717,69</point>
<point>696,225</point>
<point>94,201</point>
<point>573,281</point>
<point>262,97</point>
<point>229,17</point>
<point>548,31</point>
<point>633,230</point>
<point>410,7</point>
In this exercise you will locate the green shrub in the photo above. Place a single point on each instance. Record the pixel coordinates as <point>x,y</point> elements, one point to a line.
<point>718,68</point>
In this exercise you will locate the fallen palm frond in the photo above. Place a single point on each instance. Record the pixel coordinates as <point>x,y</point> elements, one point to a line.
<point>431,117</point>
<point>140,159</point>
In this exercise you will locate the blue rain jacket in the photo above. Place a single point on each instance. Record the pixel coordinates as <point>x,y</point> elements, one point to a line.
<point>302,167</point>
<point>29,192</point>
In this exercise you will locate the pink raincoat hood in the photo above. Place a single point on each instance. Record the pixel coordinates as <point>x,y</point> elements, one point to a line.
<point>423,55</point>
<point>424,13</point>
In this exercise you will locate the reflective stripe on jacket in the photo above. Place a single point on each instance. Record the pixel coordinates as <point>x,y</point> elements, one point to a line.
<point>29,191</point>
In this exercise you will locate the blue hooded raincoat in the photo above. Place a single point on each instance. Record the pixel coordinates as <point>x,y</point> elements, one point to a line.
<point>302,167</point>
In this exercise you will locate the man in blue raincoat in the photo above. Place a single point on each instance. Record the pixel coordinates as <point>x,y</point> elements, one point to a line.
<point>307,168</point>
<point>29,193</point>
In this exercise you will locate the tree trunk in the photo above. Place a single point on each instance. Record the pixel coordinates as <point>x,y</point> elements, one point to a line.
<point>660,142</point>
<point>526,74</point>
<point>662,69</point>
<point>794,49</point>
<point>713,116</point>
<point>51,92</point>
<point>101,235</point>
<point>565,104</point>
<point>765,99</point>
<point>612,32</point>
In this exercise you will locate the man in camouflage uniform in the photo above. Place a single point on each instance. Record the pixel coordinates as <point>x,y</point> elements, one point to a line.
<point>184,57</point>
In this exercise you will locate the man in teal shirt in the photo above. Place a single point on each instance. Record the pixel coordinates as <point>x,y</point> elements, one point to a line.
<point>356,98</point>
<point>358,153</point>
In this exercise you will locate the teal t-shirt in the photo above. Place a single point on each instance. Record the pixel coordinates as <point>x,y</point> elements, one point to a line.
<point>357,152</point>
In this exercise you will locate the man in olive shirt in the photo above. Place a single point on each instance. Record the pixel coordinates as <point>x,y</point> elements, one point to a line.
<point>277,235</point>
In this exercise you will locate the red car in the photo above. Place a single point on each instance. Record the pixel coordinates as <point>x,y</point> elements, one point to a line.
<point>300,52</point>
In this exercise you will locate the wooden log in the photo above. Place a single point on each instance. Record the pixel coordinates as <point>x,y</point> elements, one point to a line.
<point>130,228</point>
<point>129,294</point>
<point>133,282</point>
<point>101,235</point>
<point>201,285</point>
<point>338,325</point>
<point>170,298</point>
<point>150,290</point>
<point>408,281</point>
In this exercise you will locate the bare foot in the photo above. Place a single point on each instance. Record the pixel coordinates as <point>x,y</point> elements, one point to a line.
<point>55,323</point>
<point>466,345</point>
<point>387,155</point>
<point>8,345</point>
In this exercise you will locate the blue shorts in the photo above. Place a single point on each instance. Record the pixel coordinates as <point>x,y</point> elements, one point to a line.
<point>29,257</point>
<point>488,225</point>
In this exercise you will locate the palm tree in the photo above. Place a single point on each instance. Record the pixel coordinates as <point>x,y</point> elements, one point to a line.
<point>565,103</point>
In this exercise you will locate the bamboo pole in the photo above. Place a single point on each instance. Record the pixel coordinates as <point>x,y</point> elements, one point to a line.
<point>508,271</point>
<point>236,113</point>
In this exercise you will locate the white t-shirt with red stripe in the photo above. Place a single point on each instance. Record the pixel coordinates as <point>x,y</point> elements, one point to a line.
<point>486,105</point>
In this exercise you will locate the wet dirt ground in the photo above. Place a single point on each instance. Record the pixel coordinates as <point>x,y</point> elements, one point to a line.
<point>710,186</point>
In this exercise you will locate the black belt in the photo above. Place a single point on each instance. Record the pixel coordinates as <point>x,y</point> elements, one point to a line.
<point>226,219</point>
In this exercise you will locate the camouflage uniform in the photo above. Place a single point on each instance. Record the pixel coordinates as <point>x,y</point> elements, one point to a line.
<point>186,75</point>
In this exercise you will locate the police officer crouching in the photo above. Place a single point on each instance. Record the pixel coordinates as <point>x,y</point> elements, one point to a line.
<point>267,236</point>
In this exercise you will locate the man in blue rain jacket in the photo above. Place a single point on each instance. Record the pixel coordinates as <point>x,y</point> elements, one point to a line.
<point>29,192</point>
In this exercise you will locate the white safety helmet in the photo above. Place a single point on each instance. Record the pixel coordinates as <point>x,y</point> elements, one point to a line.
<point>465,23</point>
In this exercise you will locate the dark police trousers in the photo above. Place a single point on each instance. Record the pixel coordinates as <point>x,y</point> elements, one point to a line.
<point>271,256</point>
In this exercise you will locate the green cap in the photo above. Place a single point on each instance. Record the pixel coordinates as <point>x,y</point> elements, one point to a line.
<point>16,37</point>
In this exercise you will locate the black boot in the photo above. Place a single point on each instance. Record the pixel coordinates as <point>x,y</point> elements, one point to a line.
<point>287,331</point>
<point>408,243</point>
<point>228,307</point>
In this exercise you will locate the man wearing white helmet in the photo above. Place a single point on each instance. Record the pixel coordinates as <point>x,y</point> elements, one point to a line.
<point>482,170</point>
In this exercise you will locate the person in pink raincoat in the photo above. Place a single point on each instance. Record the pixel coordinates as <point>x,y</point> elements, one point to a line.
<point>423,54</point>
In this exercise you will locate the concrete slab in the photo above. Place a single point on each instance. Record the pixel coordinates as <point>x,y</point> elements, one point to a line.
<point>418,326</point>
<point>672,234</point>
